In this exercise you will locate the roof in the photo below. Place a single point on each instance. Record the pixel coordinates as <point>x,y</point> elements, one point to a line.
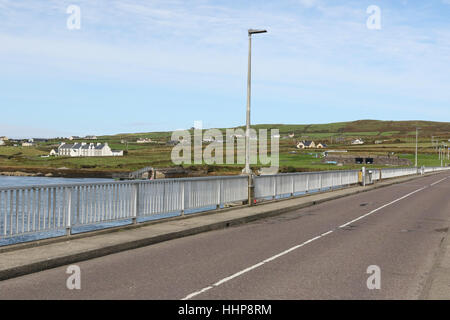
<point>306,143</point>
<point>66,146</point>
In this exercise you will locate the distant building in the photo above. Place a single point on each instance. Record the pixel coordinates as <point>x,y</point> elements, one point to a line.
<point>321,146</point>
<point>2,143</point>
<point>357,141</point>
<point>4,138</point>
<point>291,135</point>
<point>378,141</point>
<point>172,142</point>
<point>306,145</point>
<point>91,137</point>
<point>74,138</point>
<point>28,144</point>
<point>144,140</point>
<point>84,149</point>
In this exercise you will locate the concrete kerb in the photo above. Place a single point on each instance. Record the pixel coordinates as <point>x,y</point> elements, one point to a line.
<point>106,250</point>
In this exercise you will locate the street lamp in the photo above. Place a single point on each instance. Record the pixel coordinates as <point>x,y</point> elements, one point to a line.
<point>247,169</point>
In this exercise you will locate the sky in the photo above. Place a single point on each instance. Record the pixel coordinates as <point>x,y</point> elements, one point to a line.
<point>160,65</point>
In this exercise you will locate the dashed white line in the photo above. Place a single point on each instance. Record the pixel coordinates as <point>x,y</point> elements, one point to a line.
<point>237,274</point>
<point>382,207</point>
<point>438,182</point>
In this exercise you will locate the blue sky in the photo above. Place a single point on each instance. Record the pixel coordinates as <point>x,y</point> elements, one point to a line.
<point>139,66</point>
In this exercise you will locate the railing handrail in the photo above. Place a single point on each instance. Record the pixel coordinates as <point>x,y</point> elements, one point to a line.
<point>83,184</point>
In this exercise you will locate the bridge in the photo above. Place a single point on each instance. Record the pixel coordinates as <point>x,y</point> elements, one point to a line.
<point>399,227</point>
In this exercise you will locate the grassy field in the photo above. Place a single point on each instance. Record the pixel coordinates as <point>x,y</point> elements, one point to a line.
<point>396,137</point>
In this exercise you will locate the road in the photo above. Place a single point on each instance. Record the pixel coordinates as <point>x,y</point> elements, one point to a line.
<point>320,252</point>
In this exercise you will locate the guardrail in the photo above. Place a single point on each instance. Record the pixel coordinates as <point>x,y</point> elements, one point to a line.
<point>35,209</point>
<point>40,209</point>
<point>294,183</point>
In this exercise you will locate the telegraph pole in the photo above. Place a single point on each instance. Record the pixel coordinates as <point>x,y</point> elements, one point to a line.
<point>417,136</point>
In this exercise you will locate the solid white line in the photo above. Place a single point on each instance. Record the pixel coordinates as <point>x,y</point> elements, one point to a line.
<point>237,274</point>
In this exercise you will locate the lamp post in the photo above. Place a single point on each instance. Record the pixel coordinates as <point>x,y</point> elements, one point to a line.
<point>247,169</point>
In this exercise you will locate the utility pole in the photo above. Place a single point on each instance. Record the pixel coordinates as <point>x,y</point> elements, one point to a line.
<point>417,136</point>
<point>247,169</point>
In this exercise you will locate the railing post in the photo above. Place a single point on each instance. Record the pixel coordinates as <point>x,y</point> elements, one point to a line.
<point>136,203</point>
<point>307,183</point>
<point>320,181</point>
<point>182,197</point>
<point>363,170</point>
<point>219,193</point>
<point>69,212</point>
<point>251,190</point>
<point>293,182</point>
<point>274,187</point>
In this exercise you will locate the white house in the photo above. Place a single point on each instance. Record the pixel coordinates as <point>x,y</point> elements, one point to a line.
<point>2,143</point>
<point>87,150</point>
<point>4,138</point>
<point>321,146</point>
<point>27,144</point>
<point>306,145</point>
<point>144,140</point>
<point>358,141</point>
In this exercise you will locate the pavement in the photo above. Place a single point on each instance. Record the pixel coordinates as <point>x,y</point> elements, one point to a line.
<point>314,247</point>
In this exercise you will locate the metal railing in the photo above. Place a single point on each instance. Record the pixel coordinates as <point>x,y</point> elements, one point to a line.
<point>304,182</point>
<point>40,209</point>
<point>35,209</point>
<point>398,172</point>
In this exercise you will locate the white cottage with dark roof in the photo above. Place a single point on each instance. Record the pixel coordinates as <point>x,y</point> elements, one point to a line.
<point>84,149</point>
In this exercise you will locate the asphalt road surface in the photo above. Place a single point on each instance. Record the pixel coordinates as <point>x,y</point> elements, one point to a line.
<point>320,252</point>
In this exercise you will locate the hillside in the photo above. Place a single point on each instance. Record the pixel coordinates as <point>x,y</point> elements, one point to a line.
<point>380,138</point>
<point>359,128</point>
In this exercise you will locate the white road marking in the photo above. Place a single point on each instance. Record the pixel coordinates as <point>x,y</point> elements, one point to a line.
<point>438,182</point>
<point>382,207</point>
<point>237,274</point>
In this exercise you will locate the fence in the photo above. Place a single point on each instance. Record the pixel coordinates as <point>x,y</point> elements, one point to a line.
<point>40,209</point>
<point>294,183</point>
<point>26,210</point>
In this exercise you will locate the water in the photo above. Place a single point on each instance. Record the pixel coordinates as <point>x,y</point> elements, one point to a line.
<point>6,181</point>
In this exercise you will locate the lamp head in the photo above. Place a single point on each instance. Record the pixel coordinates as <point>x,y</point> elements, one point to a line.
<point>253,31</point>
